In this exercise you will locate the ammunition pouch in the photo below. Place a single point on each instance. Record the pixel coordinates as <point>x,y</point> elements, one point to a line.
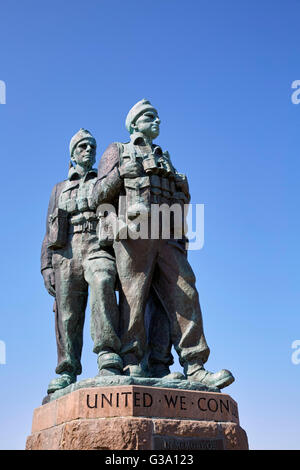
<point>162,184</point>
<point>138,196</point>
<point>58,229</point>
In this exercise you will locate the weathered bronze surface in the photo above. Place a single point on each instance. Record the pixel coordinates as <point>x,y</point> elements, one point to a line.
<point>82,251</point>
<point>72,261</point>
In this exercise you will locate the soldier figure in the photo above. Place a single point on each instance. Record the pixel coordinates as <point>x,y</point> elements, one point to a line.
<point>144,173</point>
<point>71,260</point>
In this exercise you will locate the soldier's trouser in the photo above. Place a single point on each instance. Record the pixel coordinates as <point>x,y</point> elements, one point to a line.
<point>163,263</point>
<point>158,332</point>
<point>75,270</point>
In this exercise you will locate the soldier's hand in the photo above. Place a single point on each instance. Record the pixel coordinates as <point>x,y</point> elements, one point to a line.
<point>49,280</point>
<point>131,170</point>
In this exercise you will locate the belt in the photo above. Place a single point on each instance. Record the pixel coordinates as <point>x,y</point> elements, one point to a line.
<point>88,226</point>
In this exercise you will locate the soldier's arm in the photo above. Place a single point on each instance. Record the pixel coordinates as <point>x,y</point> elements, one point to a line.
<point>182,185</point>
<point>46,253</point>
<point>109,181</point>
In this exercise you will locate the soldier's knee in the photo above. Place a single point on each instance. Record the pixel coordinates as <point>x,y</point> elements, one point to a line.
<point>104,280</point>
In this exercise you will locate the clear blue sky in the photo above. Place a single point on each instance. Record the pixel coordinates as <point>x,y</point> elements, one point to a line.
<point>220,74</point>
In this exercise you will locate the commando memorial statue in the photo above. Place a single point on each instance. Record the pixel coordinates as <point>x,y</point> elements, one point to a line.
<point>72,261</point>
<point>117,236</point>
<point>121,228</point>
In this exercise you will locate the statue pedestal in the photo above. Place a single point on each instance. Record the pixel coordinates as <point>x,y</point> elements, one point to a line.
<point>133,417</point>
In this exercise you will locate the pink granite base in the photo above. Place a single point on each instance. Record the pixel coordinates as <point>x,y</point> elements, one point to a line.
<point>139,418</point>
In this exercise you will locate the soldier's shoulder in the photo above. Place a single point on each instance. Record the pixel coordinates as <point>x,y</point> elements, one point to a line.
<point>60,184</point>
<point>57,188</point>
<point>109,159</point>
<point>115,147</point>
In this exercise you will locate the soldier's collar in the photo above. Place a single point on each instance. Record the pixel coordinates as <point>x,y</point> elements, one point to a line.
<point>137,138</point>
<point>75,175</point>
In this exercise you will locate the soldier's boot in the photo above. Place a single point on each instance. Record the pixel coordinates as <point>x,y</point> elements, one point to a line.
<point>162,371</point>
<point>197,373</point>
<point>135,370</point>
<point>66,378</point>
<point>109,364</point>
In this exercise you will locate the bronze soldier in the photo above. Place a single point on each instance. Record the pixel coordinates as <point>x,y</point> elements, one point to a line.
<point>71,261</point>
<point>143,173</point>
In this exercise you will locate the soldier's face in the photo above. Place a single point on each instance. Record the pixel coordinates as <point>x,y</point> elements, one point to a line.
<point>85,153</point>
<point>148,123</point>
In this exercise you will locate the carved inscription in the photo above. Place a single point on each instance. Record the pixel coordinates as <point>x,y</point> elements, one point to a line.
<point>164,403</point>
<point>119,399</point>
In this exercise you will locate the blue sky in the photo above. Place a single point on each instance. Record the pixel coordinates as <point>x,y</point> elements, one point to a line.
<point>220,74</point>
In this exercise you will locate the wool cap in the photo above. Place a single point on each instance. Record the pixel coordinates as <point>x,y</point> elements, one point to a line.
<point>136,111</point>
<point>78,137</point>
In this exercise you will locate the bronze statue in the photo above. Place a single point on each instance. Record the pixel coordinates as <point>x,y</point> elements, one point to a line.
<point>72,261</point>
<point>143,173</point>
<point>83,251</point>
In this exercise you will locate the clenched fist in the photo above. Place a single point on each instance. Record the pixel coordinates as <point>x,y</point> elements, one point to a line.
<point>49,280</point>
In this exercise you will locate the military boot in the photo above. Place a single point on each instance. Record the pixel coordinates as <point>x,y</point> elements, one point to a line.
<point>162,371</point>
<point>109,364</point>
<point>135,370</point>
<point>197,373</point>
<point>67,378</point>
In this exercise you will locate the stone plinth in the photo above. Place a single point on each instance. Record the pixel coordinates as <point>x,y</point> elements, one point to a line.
<point>138,417</point>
